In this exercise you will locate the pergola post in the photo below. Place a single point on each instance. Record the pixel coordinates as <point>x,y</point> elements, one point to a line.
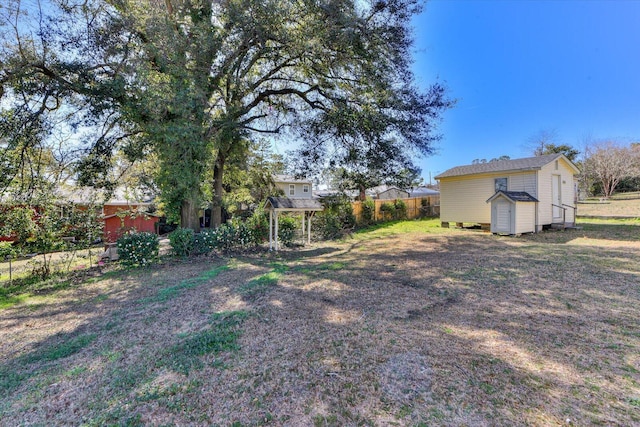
<point>309,228</point>
<point>276,231</point>
<point>303,213</point>
<point>270,229</point>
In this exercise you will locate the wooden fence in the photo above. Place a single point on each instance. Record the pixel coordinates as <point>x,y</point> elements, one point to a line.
<point>416,208</point>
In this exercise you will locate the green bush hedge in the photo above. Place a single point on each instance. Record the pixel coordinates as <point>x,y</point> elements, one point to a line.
<point>286,230</point>
<point>234,235</point>
<point>400,209</point>
<point>138,248</point>
<point>182,241</point>
<point>368,211</point>
<point>204,242</point>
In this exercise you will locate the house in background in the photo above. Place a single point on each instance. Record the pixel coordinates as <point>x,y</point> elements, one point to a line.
<point>121,215</point>
<point>125,210</point>
<point>298,200</point>
<point>511,196</point>
<point>294,188</point>
<point>387,192</point>
<point>419,192</point>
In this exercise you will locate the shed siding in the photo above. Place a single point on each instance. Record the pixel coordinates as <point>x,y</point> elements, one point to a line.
<point>567,191</point>
<point>523,182</point>
<point>525,218</point>
<point>464,199</point>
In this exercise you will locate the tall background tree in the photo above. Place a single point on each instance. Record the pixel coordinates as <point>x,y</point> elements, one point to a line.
<point>191,81</point>
<point>546,142</point>
<point>608,163</point>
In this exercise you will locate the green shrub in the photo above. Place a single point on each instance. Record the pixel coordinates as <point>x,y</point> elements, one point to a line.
<point>182,241</point>
<point>368,211</point>
<point>138,248</point>
<point>400,209</point>
<point>388,210</point>
<point>344,210</point>
<point>243,235</point>
<point>225,237</point>
<point>204,242</point>
<point>7,251</point>
<point>327,225</point>
<point>258,223</point>
<point>286,230</point>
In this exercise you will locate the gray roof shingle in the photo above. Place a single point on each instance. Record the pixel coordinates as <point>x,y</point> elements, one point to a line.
<point>515,196</point>
<point>285,203</point>
<point>528,163</point>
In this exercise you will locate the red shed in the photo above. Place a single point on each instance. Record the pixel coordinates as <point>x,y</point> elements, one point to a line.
<point>120,217</point>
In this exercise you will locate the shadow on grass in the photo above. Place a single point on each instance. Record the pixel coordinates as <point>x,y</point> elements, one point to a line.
<point>485,325</point>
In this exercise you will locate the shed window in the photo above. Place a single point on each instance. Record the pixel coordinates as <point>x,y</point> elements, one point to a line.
<point>292,189</point>
<point>556,165</point>
<point>501,184</point>
<point>305,188</point>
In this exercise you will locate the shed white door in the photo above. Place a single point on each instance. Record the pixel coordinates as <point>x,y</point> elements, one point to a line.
<point>556,197</point>
<point>501,216</point>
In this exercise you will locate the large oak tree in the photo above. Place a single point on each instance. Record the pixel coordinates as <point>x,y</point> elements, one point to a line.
<point>191,80</point>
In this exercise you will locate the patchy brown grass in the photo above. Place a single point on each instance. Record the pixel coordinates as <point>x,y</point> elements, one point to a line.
<point>407,324</point>
<point>622,205</point>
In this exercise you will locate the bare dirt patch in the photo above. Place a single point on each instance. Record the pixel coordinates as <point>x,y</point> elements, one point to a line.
<point>405,325</point>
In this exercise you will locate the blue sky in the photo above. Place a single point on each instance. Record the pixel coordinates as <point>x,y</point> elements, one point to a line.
<point>519,67</point>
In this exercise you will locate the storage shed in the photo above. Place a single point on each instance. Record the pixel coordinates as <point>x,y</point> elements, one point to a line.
<point>549,179</point>
<point>513,212</point>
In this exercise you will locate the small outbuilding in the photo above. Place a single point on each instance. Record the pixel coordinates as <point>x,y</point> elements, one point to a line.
<point>276,205</point>
<point>543,187</point>
<point>513,212</point>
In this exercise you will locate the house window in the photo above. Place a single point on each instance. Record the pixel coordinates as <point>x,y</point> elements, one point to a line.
<point>556,165</point>
<point>292,189</point>
<point>305,188</point>
<point>501,184</point>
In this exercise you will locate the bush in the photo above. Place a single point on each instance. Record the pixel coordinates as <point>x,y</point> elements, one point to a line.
<point>388,210</point>
<point>286,230</point>
<point>368,211</point>
<point>182,241</point>
<point>327,225</point>
<point>225,237</point>
<point>138,248</point>
<point>204,242</point>
<point>7,251</point>
<point>400,209</point>
<point>258,224</point>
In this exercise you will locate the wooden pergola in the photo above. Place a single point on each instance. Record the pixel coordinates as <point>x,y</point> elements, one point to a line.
<point>275,205</point>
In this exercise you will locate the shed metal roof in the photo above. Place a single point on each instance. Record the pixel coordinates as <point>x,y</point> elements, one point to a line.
<point>514,196</point>
<point>528,163</point>
<point>287,204</point>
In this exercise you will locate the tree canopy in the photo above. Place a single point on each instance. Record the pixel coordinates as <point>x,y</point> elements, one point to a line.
<point>607,163</point>
<point>190,81</point>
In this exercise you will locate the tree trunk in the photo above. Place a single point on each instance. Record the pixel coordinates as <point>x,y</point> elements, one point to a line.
<point>189,213</point>
<point>363,193</point>
<point>216,208</point>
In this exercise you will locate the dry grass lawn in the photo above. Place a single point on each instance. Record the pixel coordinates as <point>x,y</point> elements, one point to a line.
<point>408,324</point>
<point>622,205</point>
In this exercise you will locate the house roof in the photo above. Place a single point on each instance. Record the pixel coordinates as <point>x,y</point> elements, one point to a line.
<point>528,163</point>
<point>422,192</point>
<point>514,196</point>
<point>289,179</point>
<point>287,204</point>
<point>87,195</point>
<point>384,188</point>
